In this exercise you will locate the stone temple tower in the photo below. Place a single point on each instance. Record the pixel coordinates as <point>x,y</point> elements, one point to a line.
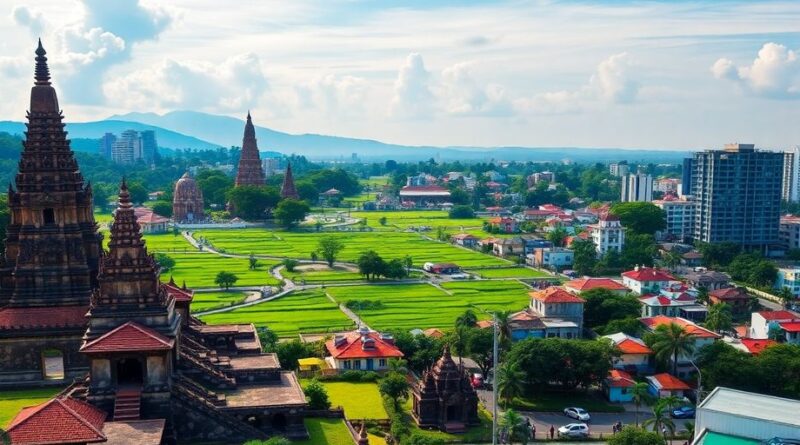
<point>250,172</point>
<point>288,190</point>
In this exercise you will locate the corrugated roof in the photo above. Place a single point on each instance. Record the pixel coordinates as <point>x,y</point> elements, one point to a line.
<point>753,405</point>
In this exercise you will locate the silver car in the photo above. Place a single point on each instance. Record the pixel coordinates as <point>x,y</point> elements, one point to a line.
<point>577,414</point>
<point>574,430</point>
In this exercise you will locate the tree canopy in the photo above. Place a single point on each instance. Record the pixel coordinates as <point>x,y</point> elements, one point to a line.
<point>640,217</point>
<point>603,306</point>
<point>568,363</point>
<point>290,212</point>
<point>252,202</point>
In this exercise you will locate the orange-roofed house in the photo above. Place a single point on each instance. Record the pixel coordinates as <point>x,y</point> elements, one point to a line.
<point>579,285</point>
<point>750,345</point>
<point>361,350</point>
<point>617,386</point>
<point>504,224</point>
<point>644,280</point>
<point>702,337</point>
<point>553,312</point>
<point>635,356</point>
<point>465,240</point>
<point>665,385</point>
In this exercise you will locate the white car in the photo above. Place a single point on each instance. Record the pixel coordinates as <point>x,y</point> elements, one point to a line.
<point>577,414</point>
<point>574,430</point>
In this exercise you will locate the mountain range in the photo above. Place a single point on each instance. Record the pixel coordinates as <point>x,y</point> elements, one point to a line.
<point>196,130</point>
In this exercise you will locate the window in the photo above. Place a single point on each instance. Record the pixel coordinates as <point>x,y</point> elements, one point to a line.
<point>49,216</point>
<point>346,364</point>
<point>356,364</point>
<point>52,364</point>
<point>382,362</point>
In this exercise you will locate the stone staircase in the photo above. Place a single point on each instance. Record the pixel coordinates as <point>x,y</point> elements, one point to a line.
<point>127,404</point>
<point>202,369</point>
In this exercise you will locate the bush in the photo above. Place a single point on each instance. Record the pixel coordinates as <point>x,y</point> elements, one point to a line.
<point>290,264</point>
<point>317,395</point>
<point>355,376</point>
<point>418,438</point>
<point>461,212</point>
<point>362,305</point>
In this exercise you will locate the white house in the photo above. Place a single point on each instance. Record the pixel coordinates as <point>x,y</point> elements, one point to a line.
<point>789,277</point>
<point>644,280</point>
<point>361,350</point>
<point>550,257</point>
<point>787,322</point>
<point>607,234</point>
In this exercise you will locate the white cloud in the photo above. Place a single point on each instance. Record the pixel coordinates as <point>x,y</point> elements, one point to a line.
<point>412,98</point>
<point>235,84</point>
<point>334,95</point>
<point>774,73</point>
<point>28,18</point>
<point>462,95</point>
<point>612,81</point>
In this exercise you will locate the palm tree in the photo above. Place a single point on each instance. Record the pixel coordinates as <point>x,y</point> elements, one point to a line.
<point>503,327</point>
<point>670,341</point>
<point>702,294</point>
<point>671,259</point>
<point>671,401</point>
<point>786,296</point>
<point>660,419</point>
<point>719,317</point>
<point>508,379</point>
<point>641,394</point>
<point>398,365</point>
<point>514,426</point>
<point>468,319</point>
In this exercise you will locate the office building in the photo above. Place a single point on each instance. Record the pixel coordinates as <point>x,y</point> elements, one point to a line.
<point>149,145</point>
<point>680,218</point>
<point>738,195</point>
<point>790,191</point>
<point>127,148</point>
<point>638,187</point>
<point>270,166</point>
<point>107,145</point>
<point>686,177</point>
<point>619,169</point>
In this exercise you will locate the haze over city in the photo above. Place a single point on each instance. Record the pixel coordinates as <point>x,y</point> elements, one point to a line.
<point>667,75</point>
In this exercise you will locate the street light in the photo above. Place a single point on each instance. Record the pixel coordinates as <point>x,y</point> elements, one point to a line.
<point>494,379</point>
<point>699,382</point>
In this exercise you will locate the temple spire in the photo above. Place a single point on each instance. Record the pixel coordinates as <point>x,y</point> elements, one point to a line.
<point>42,74</point>
<point>250,171</point>
<point>288,189</point>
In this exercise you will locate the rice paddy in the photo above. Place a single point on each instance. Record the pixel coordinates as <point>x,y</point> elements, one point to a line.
<point>198,270</point>
<point>204,301</point>
<point>508,272</point>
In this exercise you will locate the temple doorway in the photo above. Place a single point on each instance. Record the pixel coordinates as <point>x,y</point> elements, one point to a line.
<point>279,422</point>
<point>452,413</point>
<point>130,372</point>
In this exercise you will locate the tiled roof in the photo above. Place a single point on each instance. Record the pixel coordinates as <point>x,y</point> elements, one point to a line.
<point>555,294</point>
<point>424,189</point>
<point>648,274</point>
<point>620,379</point>
<point>793,326</point>
<point>525,320</point>
<point>586,283</point>
<point>178,293</point>
<point>669,382</point>
<point>483,324</point>
<point>628,344</point>
<point>779,315</point>
<point>129,337</point>
<point>659,320</point>
<point>352,347</point>
<point>730,293</point>
<point>433,332</point>
<point>464,236</point>
<point>43,317</point>
<point>151,218</point>
<point>756,346</point>
<point>58,421</point>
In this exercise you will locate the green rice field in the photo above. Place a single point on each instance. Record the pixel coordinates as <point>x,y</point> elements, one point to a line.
<point>204,301</point>
<point>416,218</point>
<point>307,311</point>
<point>200,269</point>
<point>12,401</point>
<point>424,306</point>
<point>332,432</point>
<point>322,276</point>
<point>509,272</point>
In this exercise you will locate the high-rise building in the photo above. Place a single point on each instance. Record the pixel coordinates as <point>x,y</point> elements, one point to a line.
<point>249,172</point>
<point>638,187</point>
<point>686,177</point>
<point>270,166</point>
<point>619,169</point>
<point>107,145</point>
<point>149,145</point>
<point>738,195</point>
<point>128,148</point>
<point>790,191</point>
<point>680,218</point>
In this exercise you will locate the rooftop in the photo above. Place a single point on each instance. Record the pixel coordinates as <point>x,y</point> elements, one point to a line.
<point>555,294</point>
<point>628,344</point>
<point>43,317</point>
<point>753,405</point>
<point>129,337</point>
<point>58,421</point>
<point>668,382</point>
<point>648,274</point>
<point>146,432</point>
<point>586,283</point>
<point>619,379</point>
<point>659,320</point>
<point>286,393</point>
<point>353,346</point>
<point>779,315</point>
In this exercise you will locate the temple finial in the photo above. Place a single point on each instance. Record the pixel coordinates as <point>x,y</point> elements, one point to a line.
<point>124,196</point>
<point>42,73</point>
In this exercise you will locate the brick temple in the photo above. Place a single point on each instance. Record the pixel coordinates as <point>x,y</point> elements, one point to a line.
<point>288,190</point>
<point>250,171</point>
<point>145,371</point>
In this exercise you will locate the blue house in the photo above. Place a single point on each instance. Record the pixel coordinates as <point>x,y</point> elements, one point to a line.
<point>617,386</point>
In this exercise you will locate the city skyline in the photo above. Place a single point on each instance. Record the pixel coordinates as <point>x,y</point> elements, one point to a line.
<point>677,75</point>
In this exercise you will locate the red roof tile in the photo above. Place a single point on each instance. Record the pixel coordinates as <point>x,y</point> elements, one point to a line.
<point>129,337</point>
<point>178,293</point>
<point>793,326</point>
<point>620,379</point>
<point>756,346</point>
<point>555,294</point>
<point>730,293</point>
<point>688,326</point>
<point>629,346</point>
<point>648,274</point>
<point>58,421</point>
<point>669,382</point>
<point>43,317</point>
<point>352,347</point>
<point>779,315</point>
<point>586,283</point>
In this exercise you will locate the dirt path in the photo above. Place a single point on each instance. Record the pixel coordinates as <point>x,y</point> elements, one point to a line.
<point>350,314</point>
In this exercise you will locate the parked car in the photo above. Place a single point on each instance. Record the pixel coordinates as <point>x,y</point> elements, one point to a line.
<point>574,430</point>
<point>477,380</point>
<point>577,414</point>
<point>684,412</point>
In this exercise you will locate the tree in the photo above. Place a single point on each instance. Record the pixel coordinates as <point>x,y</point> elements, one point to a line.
<point>395,269</point>
<point>137,192</point>
<point>633,435</point>
<point>329,247</point>
<point>480,347</point>
<point>702,294</point>
<point>382,220</point>
<point>670,341</point>
<point>640,392</point>
<point>408,262</point>
<point>317,395</point>
<point>164,261</point>
<point>631,326</point>
<point>640,217</point>
<point>215,185</point>
<point>639,248</point>
<point>395,386</point>
<point>225,279</point>
<point>569,363</point>
<point>291,211</point>
<point>268,339</point>
<point>718,254</point>
<point>467,320</point>
<point>5,215</point>
<point>398,365</point>
<point>461,212</point>
<point>252,202</point>
<point>671,259</point>
<point>719,318</point>
<point>291,351</point>
<point>557,236</point>
<point>661,419</point>
<point>289,264</point>
<point>786,296</point>
<point>603,306</point>
<point>585,256</point>
<point>371,265</point>
<point>307,191</point>
<point>163,208</point>
<point>252,262</point>
<point>508,379</point>
<point>503,320</point>
<point>515,427</point>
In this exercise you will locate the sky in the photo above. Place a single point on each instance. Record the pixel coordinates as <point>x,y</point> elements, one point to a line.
<point>630,74</point>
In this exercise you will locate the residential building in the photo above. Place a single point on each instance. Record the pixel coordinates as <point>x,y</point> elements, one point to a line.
<point>789,231</point>
<point>550,257</point>
<point>465,240</point>
<point>107,145</point>
<point>644,280</point>
<point>536,178</point>
<point>701,335</point>
<point>777,323</point>
<point>686,177</point>
<point>442,268</point>
<point>790,191</point>
<point>361,350</point>
<point>617,386</point>
<point>667,185</point>
<point>579,285</point>
<point>149,221</point>
<point>789,277</point>
<point>730,416</point>
<point>607,234</point>
<point>553,312</point>
<point>270,166</point>
<point>751,346</point>
<point>638,187</point>
<point>504,247</point>
<point>533,242</point>
<point>424,195</point>
<point>736,298</point>
<point>619,169</point>
<point>149,145</point>
<point>668,305</point>
<point>665,385</point>
<point>709,279</point>
<point>635,356</point>
<point>679,218</point>
<point>503,224</point>
<point>127,148</point>
<point>738,194</point>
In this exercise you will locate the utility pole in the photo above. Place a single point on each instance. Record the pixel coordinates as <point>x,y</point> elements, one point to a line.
<point>495,360</point>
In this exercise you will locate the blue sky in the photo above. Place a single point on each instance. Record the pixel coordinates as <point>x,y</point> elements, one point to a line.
<point>670,75</point>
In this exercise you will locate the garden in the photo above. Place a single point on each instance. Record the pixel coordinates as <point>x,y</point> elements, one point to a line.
<point>332,432</point>
<point>360,400</point>
<point>11,401</point>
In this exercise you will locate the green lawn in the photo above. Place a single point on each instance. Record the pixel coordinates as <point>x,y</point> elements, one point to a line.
<point>423,306</point>
<point>204,301</point>
<point>200,269</point>
<point>332,432</point>
<point>387,244</point>
<point>359,400</point>
<point>307,311</point>
<point>167,243</point>
<point>14,400</point>
<point>509,272</point>
<point>481,433</point>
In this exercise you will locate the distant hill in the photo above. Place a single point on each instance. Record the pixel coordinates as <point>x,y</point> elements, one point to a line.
<point>82,132</point>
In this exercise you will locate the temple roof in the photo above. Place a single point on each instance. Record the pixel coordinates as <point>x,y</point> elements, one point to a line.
<point>129,337</point>
<point>58,421</point>
<point>250,171</point>
<point>43,317</point>
<point>288,189</point>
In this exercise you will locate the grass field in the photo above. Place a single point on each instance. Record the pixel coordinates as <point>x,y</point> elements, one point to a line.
<point>424,306</point>
<point>307,311</point>
<point>416,218</point>
<point>204,301</point>
<point>322,276</point>
<point>14,400</point>
<point>510,272</point>
<point>200,269</point>
<point>331,432</point>
<point>359,400</point>
<point>387,244</point>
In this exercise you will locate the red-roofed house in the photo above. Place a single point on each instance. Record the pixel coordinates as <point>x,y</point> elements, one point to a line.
<point>149,221</point>
<point>424,195</point>
<point>504,224</point>
<point>58,421</point>
<point>736,297</point>
<point>670,304</point>
<point>579,285</point>
<point>702,337</point>
<point>647,279</point>
<point>129,337</point>
<point>750,345</point>
<point>664,385</point>
<point>362,349</point>
<point>634,353</point>
<point>762,322</point>
<point>617,386</point>
<point>465,240</point>
<point>791,332</point>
